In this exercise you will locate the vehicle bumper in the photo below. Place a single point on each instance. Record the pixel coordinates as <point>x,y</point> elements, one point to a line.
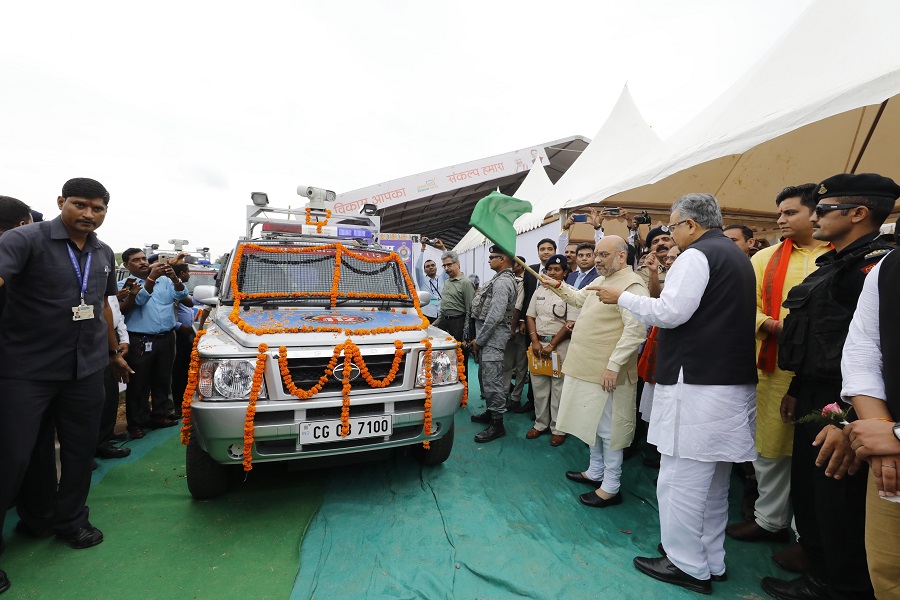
<point>219,426</point>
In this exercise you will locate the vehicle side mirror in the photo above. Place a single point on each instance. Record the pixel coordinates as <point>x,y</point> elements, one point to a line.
<point>206,294</point>
<point>424,298</point>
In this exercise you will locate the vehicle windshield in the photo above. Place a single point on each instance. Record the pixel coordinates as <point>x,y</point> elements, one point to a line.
<point>298,274</point>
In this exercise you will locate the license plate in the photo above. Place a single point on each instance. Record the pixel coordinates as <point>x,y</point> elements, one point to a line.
<point>317,432</point>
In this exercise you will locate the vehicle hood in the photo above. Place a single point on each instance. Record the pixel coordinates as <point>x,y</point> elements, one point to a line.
<point>227,338</point>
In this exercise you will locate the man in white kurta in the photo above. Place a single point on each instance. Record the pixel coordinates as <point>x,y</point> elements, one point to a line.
<point>597,403</point>
<point>704,406</point>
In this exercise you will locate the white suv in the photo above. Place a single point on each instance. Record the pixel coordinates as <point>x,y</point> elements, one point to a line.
<point>316,348</point>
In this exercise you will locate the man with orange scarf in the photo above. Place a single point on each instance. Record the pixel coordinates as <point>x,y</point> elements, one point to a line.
<point>778,269</point>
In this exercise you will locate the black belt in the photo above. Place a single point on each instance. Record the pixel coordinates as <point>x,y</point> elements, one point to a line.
<point>149,335</point>
<point>452,318</point>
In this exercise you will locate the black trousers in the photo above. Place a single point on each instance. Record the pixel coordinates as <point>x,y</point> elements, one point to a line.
<point>110,406</point>
<point>830,513</point>
<point>184,344</point>
<point>30,411</point>
<point>152,378</point>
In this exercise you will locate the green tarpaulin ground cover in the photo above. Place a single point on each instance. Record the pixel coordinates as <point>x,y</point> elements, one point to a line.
<point>497,520</point>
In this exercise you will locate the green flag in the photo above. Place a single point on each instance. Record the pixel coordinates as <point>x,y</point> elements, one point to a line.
<point>494,216</point>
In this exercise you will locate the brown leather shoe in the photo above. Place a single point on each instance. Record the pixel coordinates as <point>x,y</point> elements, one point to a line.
<point>136,433</point>
<point>752,532</point>
<point>793,559</point>
<point>162,423</point>
<point>535,433</point>
<point>557,439</point>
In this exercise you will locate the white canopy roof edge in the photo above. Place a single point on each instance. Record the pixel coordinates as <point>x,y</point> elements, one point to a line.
<point>625,138</point>
<point>534,187</point>
<point>833,60</point>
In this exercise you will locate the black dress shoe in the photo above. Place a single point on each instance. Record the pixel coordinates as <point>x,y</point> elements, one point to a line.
<point>118,437</point>
<point>662,569</point>
<point>136,433</point>
<point>484,417</point>
<point>494,430</point>
<point>752,532</point>
<point>107,450</point>
<point>4,582</point>
<point>594,501</point>
<point>577,477</point>
<point>84,537</point>
<point>525,408</point>
<point>802,588</point>
<point>717,578</point>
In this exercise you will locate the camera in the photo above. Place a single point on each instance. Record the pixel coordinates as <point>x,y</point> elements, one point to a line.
<point>316,195</point>
<point>613,212</point>
<point>643,218</point>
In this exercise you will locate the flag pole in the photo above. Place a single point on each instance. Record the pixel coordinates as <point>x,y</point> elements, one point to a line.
<point>526,267</point>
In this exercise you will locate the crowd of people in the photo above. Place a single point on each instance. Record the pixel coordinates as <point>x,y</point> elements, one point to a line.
<point>69,333</point>
<point>733,352</point>
<point>736,353</point>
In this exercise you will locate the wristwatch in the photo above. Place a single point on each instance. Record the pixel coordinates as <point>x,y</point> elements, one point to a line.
<point>115,352</point>
<point>897,430</point>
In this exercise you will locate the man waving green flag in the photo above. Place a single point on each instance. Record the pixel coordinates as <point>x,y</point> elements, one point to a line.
<point>494,216</point>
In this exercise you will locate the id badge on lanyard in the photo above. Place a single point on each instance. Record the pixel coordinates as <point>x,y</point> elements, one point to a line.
<point>83,311</point>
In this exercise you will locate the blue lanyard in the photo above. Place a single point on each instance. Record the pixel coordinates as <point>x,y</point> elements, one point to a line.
<point>82,280</point>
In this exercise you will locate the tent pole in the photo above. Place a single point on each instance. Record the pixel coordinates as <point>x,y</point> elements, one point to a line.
<point>865,144</point>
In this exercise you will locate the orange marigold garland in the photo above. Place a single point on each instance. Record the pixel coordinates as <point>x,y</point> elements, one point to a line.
<point>289,382</point>
<point>193,378</point>
<point>336,280</point>
<point>345,407</point>
<point>364,370</point>
<point>461,372</point>
<point>426,366</point>
<point>318,224</point>
<point>340,251</point>
<point>258,374</point>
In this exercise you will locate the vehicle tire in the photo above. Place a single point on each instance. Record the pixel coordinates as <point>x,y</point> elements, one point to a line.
<point>439,451</point>
<point>205,477</point>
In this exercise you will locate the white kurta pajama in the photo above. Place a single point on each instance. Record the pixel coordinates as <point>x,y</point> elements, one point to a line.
<point>605,337</point>
<point>699,430</point>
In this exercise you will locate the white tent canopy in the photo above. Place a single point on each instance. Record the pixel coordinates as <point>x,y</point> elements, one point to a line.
<point>803,112</point>
<point>623,138</point>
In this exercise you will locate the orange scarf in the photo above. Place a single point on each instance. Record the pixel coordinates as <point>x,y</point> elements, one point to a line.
<point>647,361</point>
<point>772,297</point>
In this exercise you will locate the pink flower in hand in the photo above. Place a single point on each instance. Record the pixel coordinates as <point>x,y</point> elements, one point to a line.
<point>832,409</point>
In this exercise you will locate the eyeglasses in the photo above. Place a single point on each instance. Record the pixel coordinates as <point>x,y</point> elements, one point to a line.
<point>821,209</point>
<point>604,254</point>
<point>668,228</point>
<point>449,264</point>
<point>493,256</point>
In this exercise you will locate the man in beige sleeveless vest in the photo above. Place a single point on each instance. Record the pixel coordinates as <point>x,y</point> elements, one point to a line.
<point>597,405</point>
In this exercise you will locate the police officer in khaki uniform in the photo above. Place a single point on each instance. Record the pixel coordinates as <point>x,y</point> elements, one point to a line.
<point>548,319</point>
<point>828,483</point>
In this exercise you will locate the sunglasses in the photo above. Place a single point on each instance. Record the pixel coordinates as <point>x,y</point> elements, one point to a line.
<point>821,209</point>
<point>493,256</point>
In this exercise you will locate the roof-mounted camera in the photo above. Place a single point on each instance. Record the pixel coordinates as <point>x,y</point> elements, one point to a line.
<point>317,196</point>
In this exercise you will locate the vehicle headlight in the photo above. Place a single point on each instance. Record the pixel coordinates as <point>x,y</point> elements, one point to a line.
<point>443,369</point>
<point>227,380</point>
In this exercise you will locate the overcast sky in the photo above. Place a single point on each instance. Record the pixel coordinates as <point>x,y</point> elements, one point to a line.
<point>181,109</point>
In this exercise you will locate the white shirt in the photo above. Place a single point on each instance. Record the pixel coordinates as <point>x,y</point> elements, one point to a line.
<point>685,283</point>
<point>707,423</point>
<point>861,361</point>
<point>118,320</point>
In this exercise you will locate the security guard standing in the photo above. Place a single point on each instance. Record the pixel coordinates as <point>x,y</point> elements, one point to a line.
<point>828,483</point>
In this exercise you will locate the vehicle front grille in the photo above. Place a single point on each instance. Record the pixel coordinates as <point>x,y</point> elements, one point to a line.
<point>305,372</point>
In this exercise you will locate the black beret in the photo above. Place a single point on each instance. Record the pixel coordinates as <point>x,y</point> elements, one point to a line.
<point>36,216</point>
<point>861,184</point>
<point>558,259</point>
<point>497,250</point>
<point>656,231</point>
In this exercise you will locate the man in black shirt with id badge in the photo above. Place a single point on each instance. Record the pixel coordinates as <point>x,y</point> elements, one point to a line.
<point>56,339</point>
